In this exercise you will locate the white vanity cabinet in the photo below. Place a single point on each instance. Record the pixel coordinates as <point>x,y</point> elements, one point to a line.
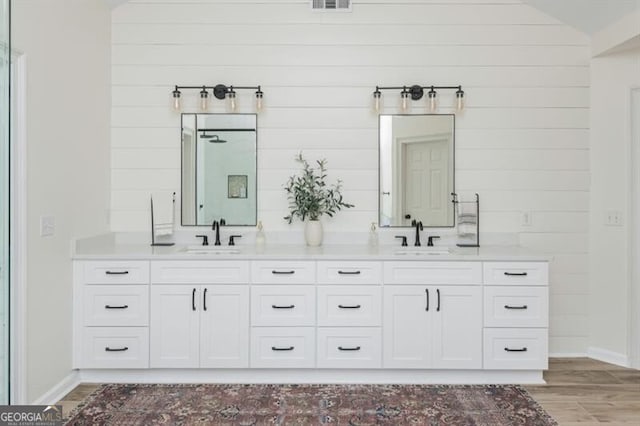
<point>195,325</point>
<point>321,319</point>
<point>432,326</point>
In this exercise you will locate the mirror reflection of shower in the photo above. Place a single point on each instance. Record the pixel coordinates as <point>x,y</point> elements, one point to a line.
<point>212,138</point>
<point>219,163</point>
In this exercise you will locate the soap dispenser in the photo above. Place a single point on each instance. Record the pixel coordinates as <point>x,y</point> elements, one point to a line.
<point>373,235</point>
<point>260,238</point>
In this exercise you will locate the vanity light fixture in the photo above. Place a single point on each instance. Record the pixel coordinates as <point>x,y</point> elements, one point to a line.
<point>219,91</point>
<point>416,92</point>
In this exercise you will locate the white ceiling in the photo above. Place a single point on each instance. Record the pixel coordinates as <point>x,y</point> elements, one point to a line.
<point>588,16</point>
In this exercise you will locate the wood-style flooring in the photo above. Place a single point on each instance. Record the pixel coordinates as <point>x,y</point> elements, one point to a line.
<point>579,392</point>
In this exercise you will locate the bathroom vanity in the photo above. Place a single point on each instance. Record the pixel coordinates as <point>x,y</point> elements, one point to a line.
<point>296,314</point>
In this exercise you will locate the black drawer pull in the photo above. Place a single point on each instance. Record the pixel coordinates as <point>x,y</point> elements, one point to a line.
<point>275,348</point>
<point>283,307</point>
<point>515,350</point>
<point>116,272</point>
<point>340,348</point>
<point>516,274</point>
<point>283,272</point>
<point>108,349</point>
<point>116,307</point>
<point>515,307</point>
<point>349,272</point>
<point>349,306</point>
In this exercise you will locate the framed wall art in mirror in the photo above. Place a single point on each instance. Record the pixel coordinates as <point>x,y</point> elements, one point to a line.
<point>219,169</point>
<point>417,169</point>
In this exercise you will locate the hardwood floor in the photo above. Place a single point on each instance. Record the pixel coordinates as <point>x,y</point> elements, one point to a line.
<point>582,391</point>
<point>579,392</point>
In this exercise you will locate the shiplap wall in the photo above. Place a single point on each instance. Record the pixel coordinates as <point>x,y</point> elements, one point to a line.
<point>522,142</point>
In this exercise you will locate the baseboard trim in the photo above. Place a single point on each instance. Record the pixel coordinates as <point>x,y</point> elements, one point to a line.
<point>57,392</point>
<point>608,356</point>
<point>568,355</point>
<point>321,376</point>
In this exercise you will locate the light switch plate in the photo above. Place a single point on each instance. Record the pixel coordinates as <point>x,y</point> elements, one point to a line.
<point>526,218</point>
<point>47,226</point>
<point>613,218</point>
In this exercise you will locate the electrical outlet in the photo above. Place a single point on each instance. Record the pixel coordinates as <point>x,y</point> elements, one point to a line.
<point>526,218</point>
<point>47,226</point>
<point>613,218</point>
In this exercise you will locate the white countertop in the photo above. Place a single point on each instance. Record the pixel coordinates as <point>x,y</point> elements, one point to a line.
<point>107,248</point>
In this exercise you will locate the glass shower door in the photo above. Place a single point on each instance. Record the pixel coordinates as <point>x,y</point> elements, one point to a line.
<point>5,64</point>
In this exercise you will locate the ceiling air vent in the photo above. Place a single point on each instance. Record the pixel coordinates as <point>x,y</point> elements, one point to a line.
<point>331,5</point>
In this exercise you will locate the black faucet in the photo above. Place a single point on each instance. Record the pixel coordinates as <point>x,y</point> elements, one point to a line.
<point>404,240</point>
<point>215,226</point>
<point>430,240</point>
<point>419,228</point>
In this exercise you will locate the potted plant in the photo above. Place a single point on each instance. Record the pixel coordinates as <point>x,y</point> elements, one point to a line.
<point>310,197</point>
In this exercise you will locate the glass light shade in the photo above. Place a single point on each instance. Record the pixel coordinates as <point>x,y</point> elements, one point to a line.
<point>204,100</point>
<point>433,102</point>
<point>404,101</point>
<point>177,103</point>
<point>259,104</point>
<point>377,101</point>
<point>459,100</point>
<point>232,101</point>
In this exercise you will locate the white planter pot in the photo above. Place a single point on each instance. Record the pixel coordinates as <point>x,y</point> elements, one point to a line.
<point>313,233</point>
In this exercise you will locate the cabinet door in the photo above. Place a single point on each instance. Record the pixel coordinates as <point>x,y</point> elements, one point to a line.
<point>456,320</point>
<point>224,326</point>
<point>174,327</point>
<point>407,311</point>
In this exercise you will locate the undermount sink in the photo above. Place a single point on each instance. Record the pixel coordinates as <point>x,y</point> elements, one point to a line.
<point>200,249</point>
<point>422,251</point>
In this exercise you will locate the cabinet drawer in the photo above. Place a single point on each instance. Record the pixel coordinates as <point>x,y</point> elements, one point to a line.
<point>116,272</point>
<point>349,272</point>
<point>111,305</point>
<point>283,305</point>
<point>512,273</point>
<point>349,305</point>
<point>283,272</point>
<point>428,272</point>
<point>516,306</point>
<point>115,347</point>
<point>282,347</point>
<point>515,349</point>
<point>200,272</point>
<point>349,347</point>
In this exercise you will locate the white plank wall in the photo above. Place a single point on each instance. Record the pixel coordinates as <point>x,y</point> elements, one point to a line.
<point>522,142</point>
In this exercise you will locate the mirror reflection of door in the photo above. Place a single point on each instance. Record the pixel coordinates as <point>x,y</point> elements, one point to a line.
<point>425,165</point>
<point>416,170</point>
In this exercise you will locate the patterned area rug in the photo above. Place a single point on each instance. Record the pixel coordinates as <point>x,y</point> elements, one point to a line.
<point>309,405</point>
